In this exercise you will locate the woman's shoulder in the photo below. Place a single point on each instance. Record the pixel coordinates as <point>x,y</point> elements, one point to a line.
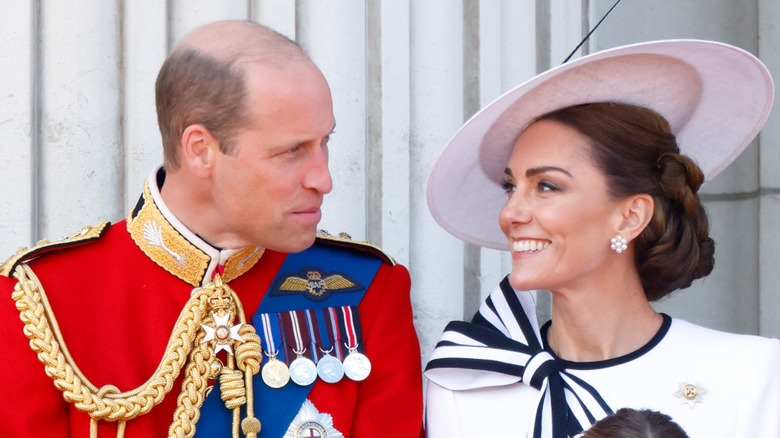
<point>700,340</point>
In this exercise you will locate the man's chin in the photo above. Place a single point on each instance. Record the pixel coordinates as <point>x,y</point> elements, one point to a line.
<point>300,243</point>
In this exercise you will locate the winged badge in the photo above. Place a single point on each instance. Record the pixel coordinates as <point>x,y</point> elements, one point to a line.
<point>315,284</point>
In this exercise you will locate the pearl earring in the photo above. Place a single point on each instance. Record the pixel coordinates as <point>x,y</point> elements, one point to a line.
<point>618,244</point>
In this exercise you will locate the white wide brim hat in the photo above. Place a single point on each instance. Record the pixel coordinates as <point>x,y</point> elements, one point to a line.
<point>716,97</point>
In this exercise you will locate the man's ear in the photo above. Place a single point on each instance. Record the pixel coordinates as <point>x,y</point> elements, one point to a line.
<point>637,212</point>
<point>198,149</point>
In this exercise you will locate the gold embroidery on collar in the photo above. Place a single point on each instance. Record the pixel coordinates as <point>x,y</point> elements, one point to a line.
<point>241,262</point>
<point>160,241</point>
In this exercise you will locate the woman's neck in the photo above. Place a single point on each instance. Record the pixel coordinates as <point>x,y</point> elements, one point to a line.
<point>596,325</point>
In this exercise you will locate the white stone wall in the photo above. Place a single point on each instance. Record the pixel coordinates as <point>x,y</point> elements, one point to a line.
<point>78,131</point>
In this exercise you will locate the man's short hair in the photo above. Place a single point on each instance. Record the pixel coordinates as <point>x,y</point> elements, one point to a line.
<point>193,87</point>
<point>203,80</point>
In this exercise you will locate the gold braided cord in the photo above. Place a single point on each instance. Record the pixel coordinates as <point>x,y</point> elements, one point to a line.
<point>93,429</point>
<point>105,403</point>
<point>194,389</point>
<point>249,356</point>
<point>232,391</point>
<point>109,403</point>
<point>233,383</point>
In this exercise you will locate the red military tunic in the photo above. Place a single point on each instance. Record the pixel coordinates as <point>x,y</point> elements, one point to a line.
<point>116,299</point>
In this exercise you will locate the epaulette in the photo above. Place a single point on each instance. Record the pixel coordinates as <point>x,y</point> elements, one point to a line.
<point>345,240</point>
<point>87,234</point>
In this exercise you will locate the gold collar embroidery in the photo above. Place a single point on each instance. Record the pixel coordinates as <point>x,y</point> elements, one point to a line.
<point>162,243</point>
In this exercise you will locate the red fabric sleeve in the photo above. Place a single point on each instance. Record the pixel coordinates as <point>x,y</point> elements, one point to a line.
<point>389,402</point>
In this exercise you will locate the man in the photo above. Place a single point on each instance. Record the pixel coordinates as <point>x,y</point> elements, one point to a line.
<point>158,324</point>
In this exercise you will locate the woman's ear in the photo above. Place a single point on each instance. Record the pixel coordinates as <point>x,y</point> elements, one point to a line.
<point>637,212</point>
<point>198,149</point>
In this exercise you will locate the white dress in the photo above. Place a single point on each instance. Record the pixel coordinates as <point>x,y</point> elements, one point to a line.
<point>711,383</point>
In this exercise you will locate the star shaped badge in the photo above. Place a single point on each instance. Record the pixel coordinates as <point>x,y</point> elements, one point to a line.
<point>690,393</point>
<point>222,333</point>
<point>310,422</point>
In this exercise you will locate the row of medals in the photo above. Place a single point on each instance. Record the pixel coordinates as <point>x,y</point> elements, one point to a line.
<point>302,370</point>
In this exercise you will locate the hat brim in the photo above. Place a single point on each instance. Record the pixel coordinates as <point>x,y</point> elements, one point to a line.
<point>716,97</point>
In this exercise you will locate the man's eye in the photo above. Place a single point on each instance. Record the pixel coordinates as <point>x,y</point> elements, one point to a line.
<point>294,150</point>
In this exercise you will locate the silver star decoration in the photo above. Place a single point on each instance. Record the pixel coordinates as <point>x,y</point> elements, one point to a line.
<point>222,333</point>
<point>690,393</point>
<point>312,422</point>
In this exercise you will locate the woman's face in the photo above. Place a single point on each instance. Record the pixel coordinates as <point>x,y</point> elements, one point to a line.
<point>558,217</point>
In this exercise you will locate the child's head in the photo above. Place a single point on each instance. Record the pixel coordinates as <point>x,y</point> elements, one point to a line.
<point>632,423</point>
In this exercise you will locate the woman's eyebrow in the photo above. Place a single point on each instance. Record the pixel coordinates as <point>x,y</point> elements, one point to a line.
<point>543,169</point>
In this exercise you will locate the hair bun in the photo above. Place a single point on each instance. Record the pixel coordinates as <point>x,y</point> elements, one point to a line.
<point>680,179</point>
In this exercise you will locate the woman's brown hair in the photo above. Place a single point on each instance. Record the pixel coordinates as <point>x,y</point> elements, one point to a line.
<point>635,149</point>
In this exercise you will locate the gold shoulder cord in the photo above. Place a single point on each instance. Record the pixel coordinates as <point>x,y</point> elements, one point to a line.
<point>211,307</point>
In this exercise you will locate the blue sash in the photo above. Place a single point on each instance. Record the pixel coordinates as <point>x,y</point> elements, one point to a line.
<point>276,408</point>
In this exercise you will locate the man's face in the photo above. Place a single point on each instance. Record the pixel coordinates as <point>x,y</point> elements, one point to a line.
<point>269,190</point>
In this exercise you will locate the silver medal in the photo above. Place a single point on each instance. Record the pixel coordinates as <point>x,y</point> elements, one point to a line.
<point>303,371</point>
<point>329,368</point>
<point>275,373</point>
<point>357,366</point>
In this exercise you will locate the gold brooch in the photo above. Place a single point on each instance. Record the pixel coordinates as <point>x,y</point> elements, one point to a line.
<point>690,393</point>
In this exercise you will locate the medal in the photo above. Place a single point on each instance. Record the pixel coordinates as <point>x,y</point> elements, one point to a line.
<point>356,365</point>
<point>302,370</point>
<point>275,373</point>
<point>330,368</point>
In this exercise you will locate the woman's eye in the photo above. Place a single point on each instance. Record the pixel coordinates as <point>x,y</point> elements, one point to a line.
<point>508,187</point>
<point>546,186</point>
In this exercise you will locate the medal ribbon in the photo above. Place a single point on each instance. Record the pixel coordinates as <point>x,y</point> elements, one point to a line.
<point>296,335</point>
<point>332,319</point>
<point>314,334</point>
<point>285,342</point>
<point>501,346</point>
<point>271,336</point>
<point>352,326</point>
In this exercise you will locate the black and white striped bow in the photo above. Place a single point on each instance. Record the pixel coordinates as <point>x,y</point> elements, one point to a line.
<point>502,346</point>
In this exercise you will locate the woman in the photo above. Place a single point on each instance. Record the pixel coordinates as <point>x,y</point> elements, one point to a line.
<point>601,160</point>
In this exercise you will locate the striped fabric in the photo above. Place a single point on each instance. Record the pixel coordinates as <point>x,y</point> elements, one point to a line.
<point>502,346</point>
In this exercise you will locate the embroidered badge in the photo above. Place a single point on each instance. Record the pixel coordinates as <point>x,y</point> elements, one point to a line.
<point>315,284</point>
<point>310,423</point>
<point>153,234</point>
<point>690,393</point>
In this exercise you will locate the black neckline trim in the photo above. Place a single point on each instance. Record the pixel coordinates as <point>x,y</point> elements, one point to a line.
<point>665,325</point>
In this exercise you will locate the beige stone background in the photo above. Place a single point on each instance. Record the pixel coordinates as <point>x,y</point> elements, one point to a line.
<point>78,132</point>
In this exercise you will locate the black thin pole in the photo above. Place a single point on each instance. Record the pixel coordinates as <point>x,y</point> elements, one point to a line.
<point>589,33</point>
